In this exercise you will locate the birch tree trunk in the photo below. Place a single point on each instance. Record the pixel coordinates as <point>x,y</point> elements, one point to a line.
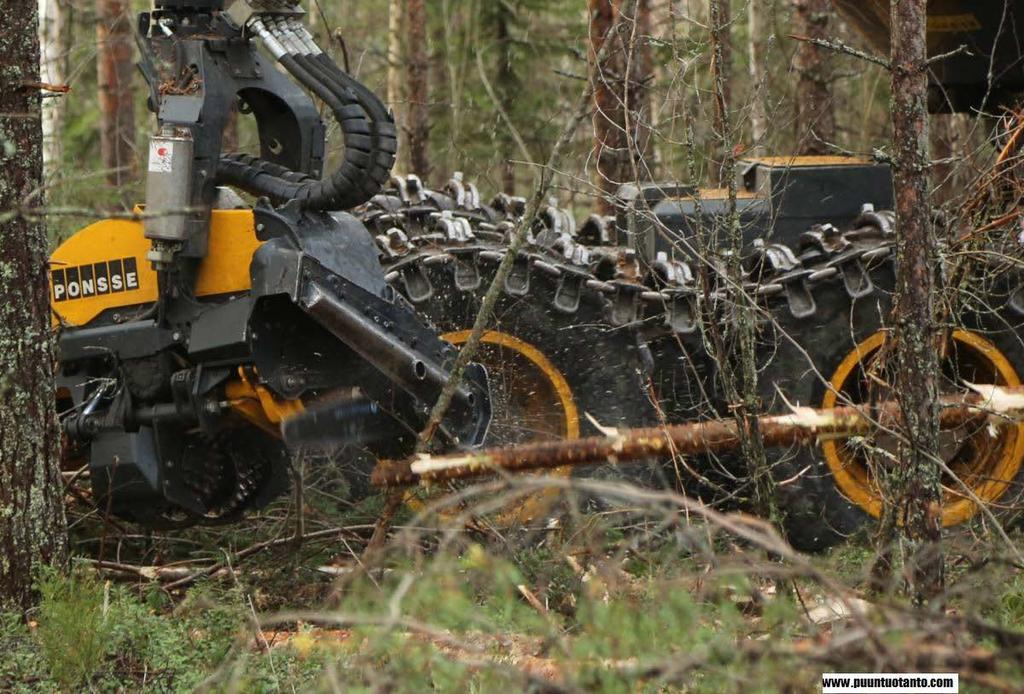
<point>759,29</point>
<point>917,488</point>
<point>32,532</point>
<point>396,80</point>
<point>418,92</point>
<point>115,70</point>
<point>621,96</point>
<point>53,48</point>
<point>507,87</point>
<point>815,109</point>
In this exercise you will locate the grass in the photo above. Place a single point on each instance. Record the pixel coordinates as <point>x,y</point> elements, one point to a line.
<point>637,601</point>
<point>614,615</point>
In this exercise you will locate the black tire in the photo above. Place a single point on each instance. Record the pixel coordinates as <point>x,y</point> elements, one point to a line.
<point>993,308</point>
<point>687,381</point>
<point>602,364</point>
<point>797,356</point>
<point>800,355</point>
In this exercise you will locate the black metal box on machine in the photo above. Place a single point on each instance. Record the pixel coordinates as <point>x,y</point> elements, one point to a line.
<point>778,198</point>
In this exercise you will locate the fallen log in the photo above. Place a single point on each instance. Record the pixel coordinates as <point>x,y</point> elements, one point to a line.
<point>995,405</point>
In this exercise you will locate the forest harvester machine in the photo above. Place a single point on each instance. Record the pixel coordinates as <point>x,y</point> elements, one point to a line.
<point>195,343</point>
<point>187,340</point>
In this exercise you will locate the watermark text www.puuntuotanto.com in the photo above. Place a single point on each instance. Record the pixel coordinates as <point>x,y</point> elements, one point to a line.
<point>890,683</point>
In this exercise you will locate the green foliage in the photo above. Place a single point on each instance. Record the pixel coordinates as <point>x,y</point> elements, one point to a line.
<point>74,627</point>
<point>21,663</point>
<point>1011,603</point>
<point>478,592</point>
<point>453,621</point>
<point>101,636</point>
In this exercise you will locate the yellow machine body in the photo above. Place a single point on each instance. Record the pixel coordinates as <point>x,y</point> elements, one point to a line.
<point>104,266</point>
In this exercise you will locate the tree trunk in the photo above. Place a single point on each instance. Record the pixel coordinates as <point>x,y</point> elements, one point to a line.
<point>32,533</point>
<point>313,20</point>
<point>507,86</point>
<point>738,379</point>
<point>723,34</point>
<point>917,489</point>
<point>950,172</point>
<point>396,79</point>
<point>803,426</point>
<point>758,29</point>
<point>815,110</point>
<point>418,92</point>
<point>621,97</point>
<point>53,45</point>
<point>114,74</point>
<point>229,139</point>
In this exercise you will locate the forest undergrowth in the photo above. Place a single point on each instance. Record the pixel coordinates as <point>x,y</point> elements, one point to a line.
<point>640,597</point>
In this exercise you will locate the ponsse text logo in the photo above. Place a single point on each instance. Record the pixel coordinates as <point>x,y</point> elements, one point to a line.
<point>94,279</point>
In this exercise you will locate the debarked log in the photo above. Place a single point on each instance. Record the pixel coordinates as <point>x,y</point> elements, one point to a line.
<point>995,406</point>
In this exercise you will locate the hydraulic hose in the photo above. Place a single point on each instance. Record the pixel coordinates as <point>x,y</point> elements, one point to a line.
<point>367,128</point>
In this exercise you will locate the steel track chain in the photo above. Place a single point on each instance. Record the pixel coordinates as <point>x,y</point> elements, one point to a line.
<point>416,228</point>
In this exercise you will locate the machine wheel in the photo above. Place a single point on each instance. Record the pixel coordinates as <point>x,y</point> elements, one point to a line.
<point>685,379</point>
<point>828,491</point>
<point>552,373</point>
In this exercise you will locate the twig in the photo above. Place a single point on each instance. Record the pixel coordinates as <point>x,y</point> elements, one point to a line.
<point>259,547</point>
<point>490,300</point>
<point>535,603</point>
<point>149,573</point>
<point>47,87</point>
<point>443,638</point>
<point>962,49</point>
<point>523,149</point>
<point>380,529</point>
<point>840,47</point>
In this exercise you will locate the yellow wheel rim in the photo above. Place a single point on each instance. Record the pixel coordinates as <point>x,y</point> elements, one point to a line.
<point>541,395</point>
<point>991,469</point>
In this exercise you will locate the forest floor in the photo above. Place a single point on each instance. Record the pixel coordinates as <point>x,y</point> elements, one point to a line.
<point>618,600</point>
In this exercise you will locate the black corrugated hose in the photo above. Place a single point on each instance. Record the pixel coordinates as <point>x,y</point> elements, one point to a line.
<point>370,144</point>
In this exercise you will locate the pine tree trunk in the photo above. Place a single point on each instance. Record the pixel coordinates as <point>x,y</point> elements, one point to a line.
<point>815,110</point>
<point>32,532</point>
<point>418,92</point>
<point>720,25</point>
<point>621,94</point>
<point>608,129</point>
<point>758,28</point>
<point>53,45</point>
<point>442,81</point>
<point>917,481</point>
<point>115,70</point>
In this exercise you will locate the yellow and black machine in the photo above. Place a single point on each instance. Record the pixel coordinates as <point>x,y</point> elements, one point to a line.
<point>203,340</point>
<point>188,337</point>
